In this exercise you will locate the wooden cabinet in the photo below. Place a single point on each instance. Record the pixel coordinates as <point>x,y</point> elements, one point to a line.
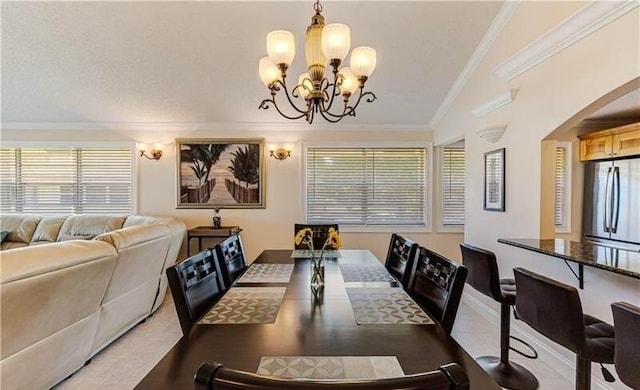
<point>612,143</point>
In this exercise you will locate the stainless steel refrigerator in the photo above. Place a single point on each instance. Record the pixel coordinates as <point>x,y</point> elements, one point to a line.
<point>611,205</point>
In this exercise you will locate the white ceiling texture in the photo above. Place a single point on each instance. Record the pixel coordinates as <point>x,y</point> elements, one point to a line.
<point>197,62</point>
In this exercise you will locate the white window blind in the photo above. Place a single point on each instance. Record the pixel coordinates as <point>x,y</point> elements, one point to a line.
<point>560,186</point>
<point>453,177</point>
<point>366,186</point>
<point>66,180</point>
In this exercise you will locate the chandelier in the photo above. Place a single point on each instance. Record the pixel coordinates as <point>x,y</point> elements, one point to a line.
<point>315,93</point>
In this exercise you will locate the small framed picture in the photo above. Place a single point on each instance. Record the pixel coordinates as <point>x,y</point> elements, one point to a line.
<point>220,173</point>
<point>494,178</point>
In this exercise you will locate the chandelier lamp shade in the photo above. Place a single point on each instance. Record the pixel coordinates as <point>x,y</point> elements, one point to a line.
<point>315,93</point>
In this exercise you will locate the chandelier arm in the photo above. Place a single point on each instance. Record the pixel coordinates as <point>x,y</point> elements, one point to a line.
<point>328,119</point>
<point>326,109</point>
<point>335,91</point>
<point>286,92</point>
<point>371,98</point>
<point>265,105</point>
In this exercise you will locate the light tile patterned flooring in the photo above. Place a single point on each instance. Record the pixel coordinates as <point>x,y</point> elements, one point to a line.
<point>126,361</point>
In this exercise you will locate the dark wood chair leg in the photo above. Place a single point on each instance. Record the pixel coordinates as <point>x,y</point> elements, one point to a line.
<point>507,374</point>
<point>583,373</point>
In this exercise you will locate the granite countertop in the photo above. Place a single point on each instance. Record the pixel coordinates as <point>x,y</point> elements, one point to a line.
<point>620,261</point>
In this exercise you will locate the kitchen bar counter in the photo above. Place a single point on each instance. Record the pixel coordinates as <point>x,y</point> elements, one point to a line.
<point>620,261</point>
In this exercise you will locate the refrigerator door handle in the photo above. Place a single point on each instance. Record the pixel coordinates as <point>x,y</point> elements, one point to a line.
<point>607,203</point>
<point>615,200</point>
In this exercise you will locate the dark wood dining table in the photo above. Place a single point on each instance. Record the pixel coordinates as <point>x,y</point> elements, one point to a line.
<point>312,326</point>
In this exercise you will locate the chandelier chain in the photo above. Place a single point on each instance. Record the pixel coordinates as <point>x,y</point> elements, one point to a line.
<point>317,7</point>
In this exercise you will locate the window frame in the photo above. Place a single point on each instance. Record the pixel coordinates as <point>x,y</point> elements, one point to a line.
<point>442,228</point>
<point>427,145</point>
<point>568,161</point>
<point>89,144</point>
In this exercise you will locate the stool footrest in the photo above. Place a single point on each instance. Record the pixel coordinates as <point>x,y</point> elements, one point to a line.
<point>532,355</point>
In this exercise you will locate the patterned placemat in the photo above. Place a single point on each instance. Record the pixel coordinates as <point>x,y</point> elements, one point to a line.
<point>365,273</point>
<point>385,306</point>
<point>246,305</point>
<point>267,273</point>
<point>331,367</point>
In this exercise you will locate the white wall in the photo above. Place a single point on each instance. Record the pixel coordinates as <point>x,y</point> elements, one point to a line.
<point>271,227</point>
<point>549,94</point>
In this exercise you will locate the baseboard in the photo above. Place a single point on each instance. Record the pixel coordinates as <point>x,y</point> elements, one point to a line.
<point>547,353</point>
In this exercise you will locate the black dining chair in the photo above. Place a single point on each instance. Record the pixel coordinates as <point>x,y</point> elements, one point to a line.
<point>626,320</point>
<point>231,257</point>
<point>436,283</point>
<point>484,277</point>
<point>214,376</point>
<point>554,309</point>
<point>320,234</point>
<point>400,258</point>
<point>195,284</point>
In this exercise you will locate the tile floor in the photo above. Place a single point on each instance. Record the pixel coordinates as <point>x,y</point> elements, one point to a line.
<point>126,361</point>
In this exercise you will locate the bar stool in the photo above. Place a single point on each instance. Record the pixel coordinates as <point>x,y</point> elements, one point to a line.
<point>626,319</point>
<point>483,276</point>
<point>554,309</point>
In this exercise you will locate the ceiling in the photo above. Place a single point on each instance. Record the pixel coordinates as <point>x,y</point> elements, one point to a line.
<point>196,62</point>
<point>626,107</point>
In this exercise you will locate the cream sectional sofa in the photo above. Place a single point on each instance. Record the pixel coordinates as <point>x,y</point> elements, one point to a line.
<point>72,285</point>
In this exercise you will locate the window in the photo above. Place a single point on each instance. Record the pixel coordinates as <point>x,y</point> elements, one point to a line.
<point>453,177</point>
<point>66,180</point>
<point>366,186</point>
<point>562,187</point>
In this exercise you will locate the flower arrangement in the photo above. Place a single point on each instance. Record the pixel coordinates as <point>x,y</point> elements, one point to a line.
<point>305,237</point>
<point>333,241</point>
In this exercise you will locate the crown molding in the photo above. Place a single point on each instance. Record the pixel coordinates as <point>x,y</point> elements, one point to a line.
<point>495,103</point>
<point>483,47</point>
<point>587,20</point>
<point>206,126</point>
<point>492,134</point>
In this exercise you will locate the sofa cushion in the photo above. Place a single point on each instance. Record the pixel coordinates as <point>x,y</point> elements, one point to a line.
<point>20,227</point>
<point>87,226</point>
<point>47,230</point>
<point>134,220</point>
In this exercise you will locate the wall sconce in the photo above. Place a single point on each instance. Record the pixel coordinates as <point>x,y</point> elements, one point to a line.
<point>154,154</point>
<point>492,134</point>
<point>280,152</point>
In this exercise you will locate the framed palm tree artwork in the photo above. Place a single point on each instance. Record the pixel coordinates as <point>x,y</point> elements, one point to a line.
<point>220,173</point>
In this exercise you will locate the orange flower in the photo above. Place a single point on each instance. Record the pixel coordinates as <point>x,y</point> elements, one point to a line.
<point>334,240</point>
<point>303,235</point>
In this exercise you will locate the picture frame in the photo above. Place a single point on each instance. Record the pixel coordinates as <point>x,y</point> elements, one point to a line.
<point>220,173</point>
<point>494,180</point>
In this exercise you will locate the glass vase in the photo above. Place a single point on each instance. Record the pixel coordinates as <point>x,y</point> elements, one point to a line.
<point>317,273</point>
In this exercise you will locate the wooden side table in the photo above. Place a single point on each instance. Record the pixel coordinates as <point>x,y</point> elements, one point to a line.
<point>201,232</point>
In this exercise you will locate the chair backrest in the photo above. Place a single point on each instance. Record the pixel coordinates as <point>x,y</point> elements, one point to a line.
<point>320,233</point>
<point>195,284</point>
<point>626,319</point>
<point>552,308</point>
<point>437,283</point>
<point>483,270</point>
<point>400,257</point>
<point>231,257</point>
<point>213,376</point>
